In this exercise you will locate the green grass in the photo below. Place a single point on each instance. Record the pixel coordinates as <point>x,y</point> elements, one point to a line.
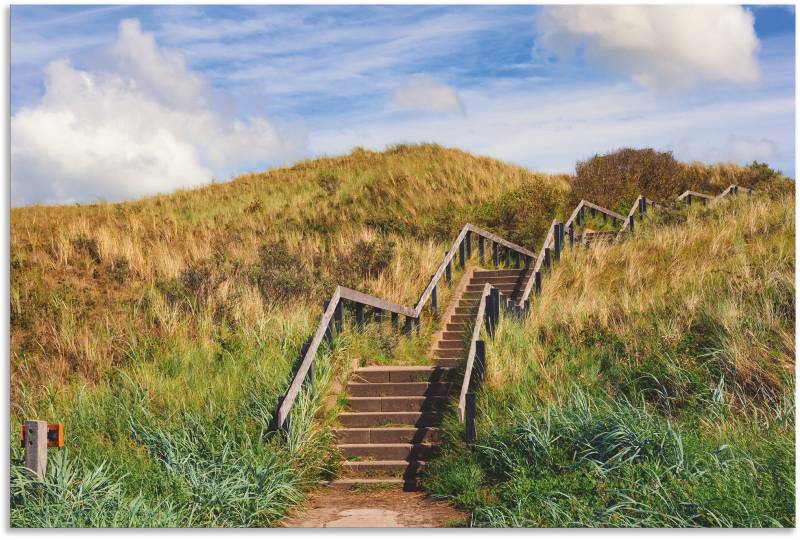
<point>162,331</point>
<point>652,385</point>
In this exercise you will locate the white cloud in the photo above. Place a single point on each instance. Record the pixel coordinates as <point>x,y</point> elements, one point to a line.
<point>534,128</point>
<point>142,125</point>
<point>424,93</point>
<point>660,47</point>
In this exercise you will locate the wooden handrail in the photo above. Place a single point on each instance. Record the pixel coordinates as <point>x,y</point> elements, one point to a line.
<point>343,293</point>
<point>452,252</point>
<point>586,204</point>
<point>476,333</point>
<point>688,193</point>
<point>340,293</point>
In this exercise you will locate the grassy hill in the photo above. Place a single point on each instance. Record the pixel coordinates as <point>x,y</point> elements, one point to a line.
<point>161,331</point>
<point>652,386</point>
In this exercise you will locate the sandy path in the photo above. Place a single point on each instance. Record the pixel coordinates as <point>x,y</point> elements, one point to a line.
<point>380,507</point>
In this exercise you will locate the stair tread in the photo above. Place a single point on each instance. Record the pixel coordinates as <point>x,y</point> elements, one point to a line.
<point>384,445</point>
<point>384,462</point>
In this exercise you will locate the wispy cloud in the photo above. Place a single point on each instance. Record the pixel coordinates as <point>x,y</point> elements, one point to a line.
<point>203,80</point>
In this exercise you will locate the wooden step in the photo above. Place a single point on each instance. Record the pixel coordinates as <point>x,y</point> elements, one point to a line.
<point>469,310</point>
<point>449,362</point>
<point>450,336</point>
<point>456,327</point>
<point>399,389</point>
<point>408,484</point>
<point>383,468</point>
<point>449,353</point>
<point>497,273</point>
<point>400,451</point>
<point>451,344</point>
<point>497,281</point>
<point>504,288</point>
<point>380,419</point>
<point>397,403</point>
<point>385,374</point>
<point>387,435</point>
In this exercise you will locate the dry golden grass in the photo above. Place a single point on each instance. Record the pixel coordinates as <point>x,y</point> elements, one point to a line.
<point>700,299</point>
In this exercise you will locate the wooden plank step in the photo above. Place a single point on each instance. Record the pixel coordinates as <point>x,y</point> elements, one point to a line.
<point>496,273</point>
<point>449,353</point>
<point>387,435</point>
<point>451,344</point>
<point>385,419</point>
<point>382,468</point>
<point>408,484</point>
<point>385,374</point>
<point>399,389</point>
<point>450,336</point>
<point>397,403</point>
<point>401,451</point>
<point>456,327</point>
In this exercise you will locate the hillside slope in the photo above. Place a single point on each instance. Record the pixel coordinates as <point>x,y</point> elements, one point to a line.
<point>652,385</point>
<point>96,286</point>
<point>162,331</point>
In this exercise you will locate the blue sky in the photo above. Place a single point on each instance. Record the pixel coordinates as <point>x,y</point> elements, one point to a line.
<point>114,102</point>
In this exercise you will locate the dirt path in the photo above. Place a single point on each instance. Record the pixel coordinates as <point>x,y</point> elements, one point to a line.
<point>384,507</point>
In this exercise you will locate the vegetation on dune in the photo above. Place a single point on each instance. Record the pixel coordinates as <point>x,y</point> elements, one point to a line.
<point>161,331</point>
<point>652,384</point>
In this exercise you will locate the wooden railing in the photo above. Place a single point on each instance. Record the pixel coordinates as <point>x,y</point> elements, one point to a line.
<point>489,309</point>
<point>490,304</point>
<point>334,309</point>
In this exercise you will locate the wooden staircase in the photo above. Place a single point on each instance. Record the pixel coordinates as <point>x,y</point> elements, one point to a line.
<point>390,428</point>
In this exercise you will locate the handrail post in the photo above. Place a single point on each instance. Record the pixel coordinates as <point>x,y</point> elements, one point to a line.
<point>461,254</point>
<point>579,217</point>
<point>516,259</point>
<point>481,248</point>
<point>378,315</point>
<point>359,314</point>
<point>468,240</point>
<point>448,273</point>
<point>526,307</point>
<point>537,282</point>
<point>594,212</point>
<point>435,298</point>
<point>572,234</point>
<point>395,321</point>
<point>416,321</point>
<point>689,199</point>
<point>480,360</point>
<point>495,255</point>
<point>630,223</point>
<point>557,242</point>
<point>546,261</point>
<point>407,326</point>
<point>469,417</point>
<point>495,293</point>
<point>527,261</point>
<point>487,313</point>
<point>338,319</point>
<point>508,258</point>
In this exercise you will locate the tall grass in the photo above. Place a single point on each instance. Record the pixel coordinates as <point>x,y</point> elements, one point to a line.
<point>161,331</point>
<point>652,384</point>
